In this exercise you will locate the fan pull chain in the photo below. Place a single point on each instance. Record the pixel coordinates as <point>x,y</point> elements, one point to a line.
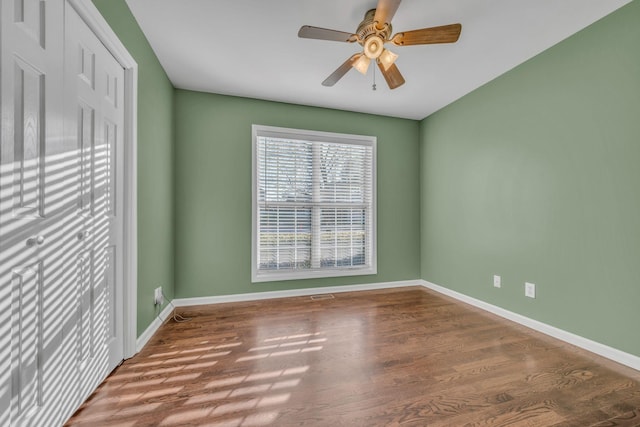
<point>373,86</point>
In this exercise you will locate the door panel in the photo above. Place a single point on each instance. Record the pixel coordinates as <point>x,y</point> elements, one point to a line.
<point>26,339</point>
<point>86,141</point>
<point>108,214</point>
<point>30,17</point>
<point>96,118</point>
<point>31,87</point>
<point>22,153</point>
<point>86,308</point>
<point>28,152</point>
<point>110,294</point>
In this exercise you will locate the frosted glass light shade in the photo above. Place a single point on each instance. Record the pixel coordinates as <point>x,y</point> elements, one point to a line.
<point>362,64</point>
<point>387,58</point>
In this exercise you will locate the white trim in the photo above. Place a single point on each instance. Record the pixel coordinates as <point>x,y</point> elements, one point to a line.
<point>278,275</point>
<point>611,353</point>
<point>144,338</point>
<point>131,212</point>
<point>92,17</point>
<point>603,350</point>
<point>255,296</point>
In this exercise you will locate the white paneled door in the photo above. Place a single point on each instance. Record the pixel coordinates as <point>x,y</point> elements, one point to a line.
<point>94,117</point>
<point>61,209</point>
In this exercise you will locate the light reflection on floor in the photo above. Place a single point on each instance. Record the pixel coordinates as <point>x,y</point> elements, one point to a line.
<point>140,386</point>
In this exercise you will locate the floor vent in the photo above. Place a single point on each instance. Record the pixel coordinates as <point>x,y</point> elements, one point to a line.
<point>321,297</point>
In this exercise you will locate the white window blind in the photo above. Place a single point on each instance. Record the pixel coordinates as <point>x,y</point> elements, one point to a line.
<point>314,204</point>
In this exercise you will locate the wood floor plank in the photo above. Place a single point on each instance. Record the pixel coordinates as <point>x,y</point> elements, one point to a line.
<point>628,419</point>
<point>399,357</point>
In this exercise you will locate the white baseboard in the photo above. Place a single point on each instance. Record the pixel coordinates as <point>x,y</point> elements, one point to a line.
<point>603,350</point>
<point>254,296</point>
<point>153,327</point>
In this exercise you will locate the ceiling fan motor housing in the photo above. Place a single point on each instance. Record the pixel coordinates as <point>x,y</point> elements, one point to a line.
<point>371,37</point>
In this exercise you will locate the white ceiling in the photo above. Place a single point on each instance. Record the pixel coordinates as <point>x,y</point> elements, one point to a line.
<point>250,48</point>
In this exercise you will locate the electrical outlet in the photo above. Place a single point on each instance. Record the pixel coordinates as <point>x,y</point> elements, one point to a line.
<point>530,290</point>
<point>158,298</point>
<point>496,281</point>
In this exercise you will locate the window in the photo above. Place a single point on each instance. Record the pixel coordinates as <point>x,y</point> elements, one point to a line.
<point>313,204</point>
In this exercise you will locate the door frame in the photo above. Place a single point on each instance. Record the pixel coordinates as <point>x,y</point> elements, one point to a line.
<point>94,19</point>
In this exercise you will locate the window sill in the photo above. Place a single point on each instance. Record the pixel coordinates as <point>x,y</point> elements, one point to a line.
<point>274,276</point>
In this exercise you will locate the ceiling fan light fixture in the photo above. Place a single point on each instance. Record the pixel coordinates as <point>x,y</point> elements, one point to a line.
<point>373,47</point>
<point>362,64</point>
<point>372,33</point>
<point>387,58</point>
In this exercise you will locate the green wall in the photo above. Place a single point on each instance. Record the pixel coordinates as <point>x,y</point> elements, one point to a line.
<point>155,162</point>
<point>532,177</point>
<point>213,197</point>
<point>535,177</point>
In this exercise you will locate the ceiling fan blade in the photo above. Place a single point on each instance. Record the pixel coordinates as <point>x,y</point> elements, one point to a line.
<point>385,11</point>
<point>392,75</point>
<point>309,32</point>
<point>341,71</point>
<point>443,34</point>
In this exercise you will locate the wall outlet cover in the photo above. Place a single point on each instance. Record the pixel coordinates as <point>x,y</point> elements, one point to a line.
<point>530,290</point>
<point>158,298</point>
<point>497,281</point>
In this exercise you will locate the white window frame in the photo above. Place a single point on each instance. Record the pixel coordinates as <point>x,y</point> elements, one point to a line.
<point>309,135</point>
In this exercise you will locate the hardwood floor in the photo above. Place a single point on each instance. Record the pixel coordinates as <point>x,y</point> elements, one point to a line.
<point>404,356</point>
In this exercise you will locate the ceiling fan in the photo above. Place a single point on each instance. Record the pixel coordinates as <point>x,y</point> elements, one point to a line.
<point>373,33</point>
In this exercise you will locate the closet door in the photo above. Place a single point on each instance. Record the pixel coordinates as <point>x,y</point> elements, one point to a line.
<point>37,172</point>
<point>35,253</point>
<point>94,117</point>
<point>61,211</point>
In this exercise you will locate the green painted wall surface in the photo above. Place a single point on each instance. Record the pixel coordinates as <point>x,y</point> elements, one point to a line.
<point>155,162</point>
<point>535,177</point>
<point>213,200</point>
